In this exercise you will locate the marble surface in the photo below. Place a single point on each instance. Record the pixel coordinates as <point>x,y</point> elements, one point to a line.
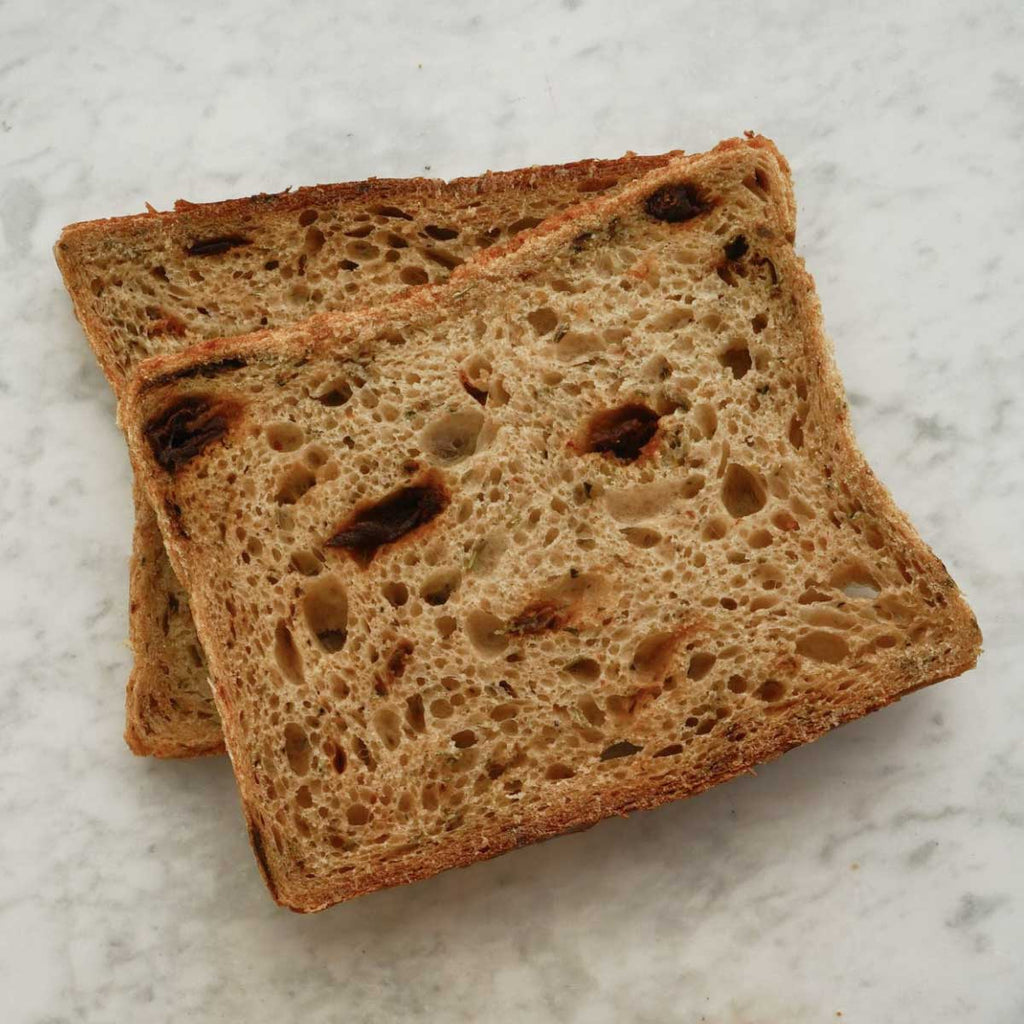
<point>875,876</point>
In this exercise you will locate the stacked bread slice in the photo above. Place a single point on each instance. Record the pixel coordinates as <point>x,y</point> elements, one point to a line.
<point>578,530</point>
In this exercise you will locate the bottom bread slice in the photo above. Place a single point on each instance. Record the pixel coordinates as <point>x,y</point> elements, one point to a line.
<point>169,705</point>
<point>587,532</point>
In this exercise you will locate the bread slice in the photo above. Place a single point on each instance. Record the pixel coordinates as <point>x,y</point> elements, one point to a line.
<point>159,282</point>
<point>582,531</point>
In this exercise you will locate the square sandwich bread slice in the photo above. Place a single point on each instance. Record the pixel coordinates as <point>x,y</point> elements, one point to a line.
<point>581,531</point>
<point>158,282</point>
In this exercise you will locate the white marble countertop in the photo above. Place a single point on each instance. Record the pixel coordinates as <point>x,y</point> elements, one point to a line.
<point>875,876</point>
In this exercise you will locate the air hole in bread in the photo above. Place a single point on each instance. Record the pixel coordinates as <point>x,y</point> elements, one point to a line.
<point>361,250</point>
<point>692,485</point>
<point>464,738</point>
<point>334,393</point>
<point>285,437</point>
<point>307,217</point>
<point>701,663</point>
<point>759,322</point>
<point>498,394</point>
<point>785,521</point>
<point>831,618</point>
<point>443,258</point>
<point>325,606</point>
<point>357,814</point>
<point>396,593</point>
<point>440,586</point>
<point>453,437</point>
<point>486,632</point>
<point>314,241</point>
<point>504,712</point>
<point>591,711</point>
<point>584,669</point>
<point>487,553</point>
<point>726,273</point>
<point>653,654</point>
<point>641,536</point>
<point>796,432</point>
<point>759,539</point>
<point>770,691</point>
<point>801,508</point>
<point>737,359</point>
<point>670,751</point>
<point>315,456</point>
<point>643,501</point>
<point>475,376</point>
<point>286,654</point>
<point>558,771</point>
<point>738,684</point>
<point>757,183</point>
<point>296,481</point>
<point>398,658</point>
<point>715,528</point>
<point>572,346</point>
<point>823,646</point>
<point>743,492</point>
<point>855,581</point>
<point>543,320</point>
<point>388,727</point>
<point>621,749</point>
<point>296,748</point>
<point>671,319</point>
<point>706,419</point>
<point>414,713</point>
<point>441,234</point>
<point>391,212</point>
<point>656,368</point>
<point>413,276</point>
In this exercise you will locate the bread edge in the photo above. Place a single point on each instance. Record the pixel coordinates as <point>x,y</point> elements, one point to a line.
<point>579,813</point>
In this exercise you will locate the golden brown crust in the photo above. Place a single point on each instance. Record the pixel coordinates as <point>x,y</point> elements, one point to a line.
<point>831,446</point>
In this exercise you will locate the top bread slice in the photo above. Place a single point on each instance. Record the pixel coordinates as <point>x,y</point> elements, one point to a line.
<point>579,532</point>
<point>159,282</point>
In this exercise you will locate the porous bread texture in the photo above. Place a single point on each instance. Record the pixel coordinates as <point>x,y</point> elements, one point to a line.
<point>582,531</point>
<point>159,282</point>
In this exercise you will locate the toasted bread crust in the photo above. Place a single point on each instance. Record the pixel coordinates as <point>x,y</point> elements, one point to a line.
<point>831,446</point>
